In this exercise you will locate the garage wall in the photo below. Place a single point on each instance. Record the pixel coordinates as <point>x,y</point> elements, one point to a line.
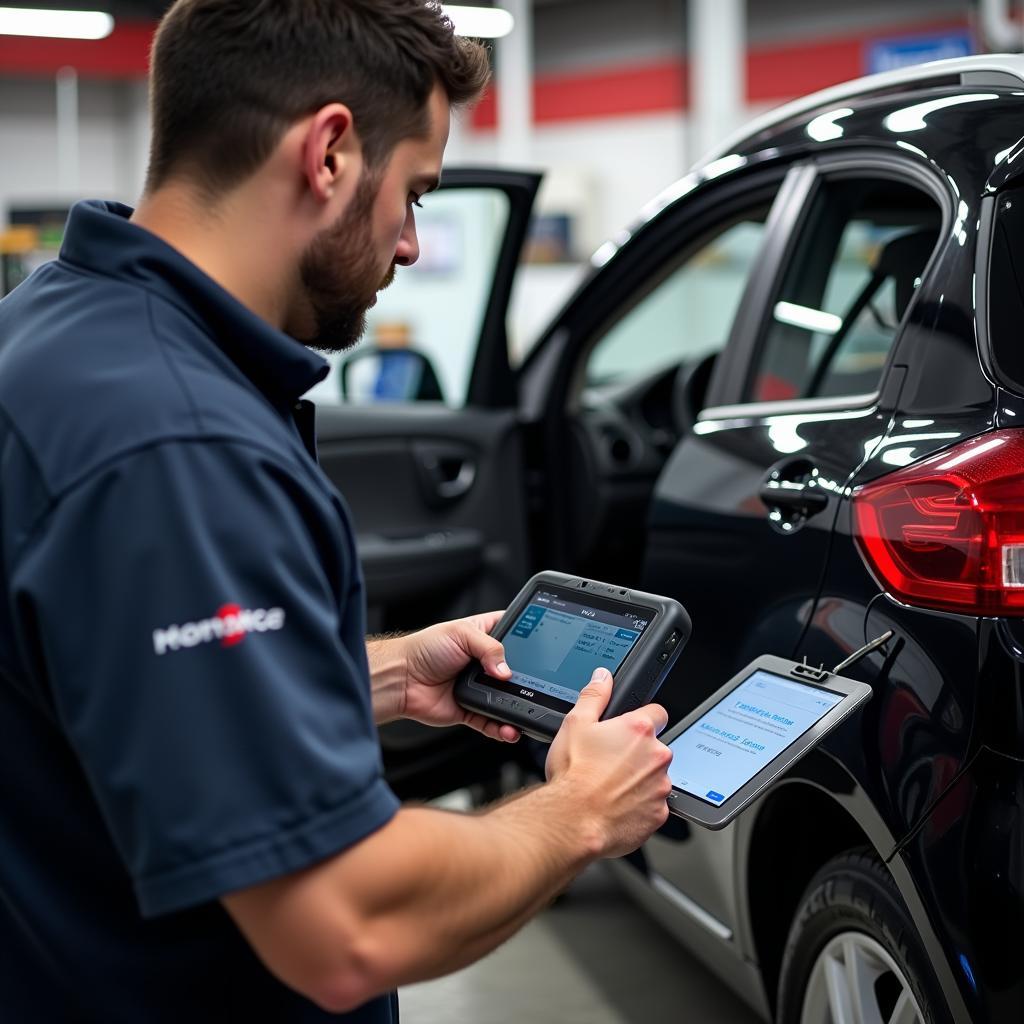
<point>113,133</point>
<point>622,159</point>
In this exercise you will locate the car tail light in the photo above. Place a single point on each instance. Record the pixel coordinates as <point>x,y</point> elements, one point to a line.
<point>948,532</point>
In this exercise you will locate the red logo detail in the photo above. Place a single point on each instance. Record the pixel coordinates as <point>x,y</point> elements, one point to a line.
<point>234,631</point>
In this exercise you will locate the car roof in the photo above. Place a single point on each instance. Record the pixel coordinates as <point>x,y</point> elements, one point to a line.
<point>987,70</point>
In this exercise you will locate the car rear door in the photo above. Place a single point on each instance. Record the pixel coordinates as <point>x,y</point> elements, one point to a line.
<point>437,488</point>
<point>744,510</point>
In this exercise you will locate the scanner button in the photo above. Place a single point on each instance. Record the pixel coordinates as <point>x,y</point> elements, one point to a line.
<point>663,657</point>
<point>671,642</point>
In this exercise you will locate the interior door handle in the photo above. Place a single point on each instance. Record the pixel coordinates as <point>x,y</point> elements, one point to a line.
<point>446,472</point>
<point>465,476</point>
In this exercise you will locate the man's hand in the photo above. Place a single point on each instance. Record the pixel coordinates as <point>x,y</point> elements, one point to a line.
<point>616,771</point>
<point>414,675</point>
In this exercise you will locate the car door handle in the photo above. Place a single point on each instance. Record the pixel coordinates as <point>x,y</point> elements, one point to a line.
<point>459,484</point>
<point>446,472</point>
<point>803,498</point>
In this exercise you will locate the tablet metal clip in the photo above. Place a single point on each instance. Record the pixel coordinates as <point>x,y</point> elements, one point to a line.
<point>810,672</point>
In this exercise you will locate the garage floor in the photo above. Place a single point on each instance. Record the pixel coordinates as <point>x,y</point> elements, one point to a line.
<point>592,958</point>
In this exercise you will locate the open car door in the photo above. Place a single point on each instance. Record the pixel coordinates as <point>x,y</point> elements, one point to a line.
<point>419,430</point>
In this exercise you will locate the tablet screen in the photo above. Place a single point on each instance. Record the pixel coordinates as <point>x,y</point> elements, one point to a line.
<point>750,726</point>
<point>557,642</point>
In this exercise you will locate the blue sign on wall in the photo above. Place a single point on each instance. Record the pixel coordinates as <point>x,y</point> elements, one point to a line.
<point>890,54</point>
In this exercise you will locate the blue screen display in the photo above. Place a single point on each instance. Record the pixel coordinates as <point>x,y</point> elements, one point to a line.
<point>754,723</point>
<point>557,643</point>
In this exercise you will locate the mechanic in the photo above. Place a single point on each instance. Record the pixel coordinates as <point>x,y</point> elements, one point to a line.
<point>194,825</point>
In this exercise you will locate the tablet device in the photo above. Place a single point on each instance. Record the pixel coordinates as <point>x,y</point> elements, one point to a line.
<point>560,628</point>
<point>743,737</point>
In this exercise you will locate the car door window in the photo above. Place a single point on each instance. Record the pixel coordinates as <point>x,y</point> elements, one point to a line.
<point>855,265</point>
<point>421,336</point>
<point>688,312</point>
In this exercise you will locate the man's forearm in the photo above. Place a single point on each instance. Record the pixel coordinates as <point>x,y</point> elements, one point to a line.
<point>427,894</point>
<point>388,676</point>
<point>494,871</point>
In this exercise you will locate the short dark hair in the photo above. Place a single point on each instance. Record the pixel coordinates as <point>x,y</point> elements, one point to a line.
<point>229,77</point>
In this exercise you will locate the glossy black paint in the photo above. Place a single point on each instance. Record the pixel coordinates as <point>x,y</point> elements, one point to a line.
<point>931,774</point>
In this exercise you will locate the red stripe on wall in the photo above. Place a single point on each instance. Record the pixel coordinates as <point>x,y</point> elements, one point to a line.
<point>485,113</point>
<point>123,54</point>
<point>629,89</point>
<point>785,72</point>
<point>647,87</point>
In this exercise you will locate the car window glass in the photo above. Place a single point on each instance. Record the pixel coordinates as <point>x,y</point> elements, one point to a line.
<point>689,312</point>
<point>857,260</point>
<point>422,335</point>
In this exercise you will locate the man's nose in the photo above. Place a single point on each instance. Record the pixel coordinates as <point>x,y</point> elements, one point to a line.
<point>407,252</point>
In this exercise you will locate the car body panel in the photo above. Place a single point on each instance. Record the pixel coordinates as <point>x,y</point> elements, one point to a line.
<point>966,860</point>
<point>915,739</point>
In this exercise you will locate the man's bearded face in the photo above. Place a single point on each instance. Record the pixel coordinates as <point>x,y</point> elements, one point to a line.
<point>342,275</point>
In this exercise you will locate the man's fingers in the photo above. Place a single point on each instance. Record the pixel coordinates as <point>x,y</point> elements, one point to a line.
<point>594,696</point>
<point>486,620</point>
<point>490,728</point>
<point>653,713</point>
<point>488,651</point>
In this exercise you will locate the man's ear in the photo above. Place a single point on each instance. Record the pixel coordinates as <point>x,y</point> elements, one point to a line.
<point>332,154</point>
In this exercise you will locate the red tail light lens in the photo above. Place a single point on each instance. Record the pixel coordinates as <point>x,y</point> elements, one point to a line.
<point>948,532</point>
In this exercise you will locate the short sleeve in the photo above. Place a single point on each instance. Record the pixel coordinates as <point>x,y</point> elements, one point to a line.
<point>187,602</point>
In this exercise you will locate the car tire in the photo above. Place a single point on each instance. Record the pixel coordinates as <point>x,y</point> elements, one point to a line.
<point>853,952</point>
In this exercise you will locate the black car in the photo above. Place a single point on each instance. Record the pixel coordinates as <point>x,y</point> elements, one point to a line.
<point>832,303</point>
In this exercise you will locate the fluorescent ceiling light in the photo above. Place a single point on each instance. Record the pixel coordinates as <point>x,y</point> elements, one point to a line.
<point>480,22</point>
<point>810,319</point>
<point>25,21</point>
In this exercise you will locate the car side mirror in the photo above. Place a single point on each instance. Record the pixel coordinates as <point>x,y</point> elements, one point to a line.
<point>375,374</point>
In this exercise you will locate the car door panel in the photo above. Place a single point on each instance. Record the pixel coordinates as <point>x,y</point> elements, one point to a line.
<point>427,553</point>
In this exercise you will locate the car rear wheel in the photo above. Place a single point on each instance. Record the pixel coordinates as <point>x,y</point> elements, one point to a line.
<point>853,955</point>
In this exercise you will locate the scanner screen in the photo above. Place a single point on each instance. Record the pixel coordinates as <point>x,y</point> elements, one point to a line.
<point>557,643</point>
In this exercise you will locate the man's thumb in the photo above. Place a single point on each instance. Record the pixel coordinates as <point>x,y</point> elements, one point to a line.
<point>594,696</point>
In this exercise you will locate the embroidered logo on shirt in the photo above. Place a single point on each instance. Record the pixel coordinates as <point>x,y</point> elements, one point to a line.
<point>230,626</point>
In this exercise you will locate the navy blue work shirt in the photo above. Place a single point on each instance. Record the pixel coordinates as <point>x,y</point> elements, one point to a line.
<point>184,694</point>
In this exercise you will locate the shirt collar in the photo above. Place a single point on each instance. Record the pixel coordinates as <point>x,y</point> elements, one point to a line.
<point>100,238</point>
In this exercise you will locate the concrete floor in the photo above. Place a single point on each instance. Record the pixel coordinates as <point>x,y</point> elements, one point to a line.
<point>593,958</point>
